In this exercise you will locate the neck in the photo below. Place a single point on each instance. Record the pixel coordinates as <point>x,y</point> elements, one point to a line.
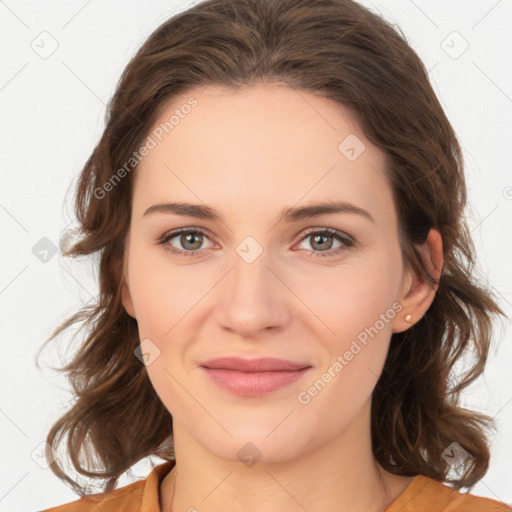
<point>339,475</point>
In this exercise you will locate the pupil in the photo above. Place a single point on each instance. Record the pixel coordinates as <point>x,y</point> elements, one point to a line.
<point>317,237</point>
<point>190,236</point>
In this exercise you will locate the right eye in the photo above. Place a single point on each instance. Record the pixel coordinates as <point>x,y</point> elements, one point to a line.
<point>190,239</point>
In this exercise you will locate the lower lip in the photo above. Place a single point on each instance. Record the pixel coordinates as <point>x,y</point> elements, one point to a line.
<point>253,384</point>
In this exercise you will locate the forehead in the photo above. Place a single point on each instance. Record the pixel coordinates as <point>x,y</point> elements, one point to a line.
<point>263,144</point>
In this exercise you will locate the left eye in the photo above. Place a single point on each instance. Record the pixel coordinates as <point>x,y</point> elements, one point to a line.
<point>318,240</point>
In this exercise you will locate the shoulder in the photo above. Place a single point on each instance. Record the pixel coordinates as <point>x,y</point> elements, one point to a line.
<point>127,499</point>
<point>428,495</point>
<point>140,496</point>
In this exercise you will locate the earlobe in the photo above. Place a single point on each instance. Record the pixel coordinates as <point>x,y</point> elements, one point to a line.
<point>127,299</point>
<point>126,296</point>
<point>417,293</point>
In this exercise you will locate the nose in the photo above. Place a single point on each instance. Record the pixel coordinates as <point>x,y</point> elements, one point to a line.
<point>253,296</point>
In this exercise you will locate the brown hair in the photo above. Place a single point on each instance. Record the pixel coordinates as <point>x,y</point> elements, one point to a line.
<point>342,51</point>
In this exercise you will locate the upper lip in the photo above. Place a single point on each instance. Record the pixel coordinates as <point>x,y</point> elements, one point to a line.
<point>264,364</point>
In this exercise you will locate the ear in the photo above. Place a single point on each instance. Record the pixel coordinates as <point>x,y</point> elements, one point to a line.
<point>126,297</point>
<point>417,294</point>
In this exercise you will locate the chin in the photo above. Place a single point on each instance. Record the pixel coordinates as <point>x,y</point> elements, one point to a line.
<point>254,443</point>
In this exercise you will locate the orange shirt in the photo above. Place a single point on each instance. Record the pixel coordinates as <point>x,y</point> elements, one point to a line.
<point>421,495</point>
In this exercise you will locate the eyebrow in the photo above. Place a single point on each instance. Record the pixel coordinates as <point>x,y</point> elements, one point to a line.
<point>290,214</point>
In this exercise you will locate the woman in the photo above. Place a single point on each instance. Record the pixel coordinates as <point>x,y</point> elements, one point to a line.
<point>285,274</point>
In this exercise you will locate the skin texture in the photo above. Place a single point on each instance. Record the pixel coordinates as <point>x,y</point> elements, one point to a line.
<point>249,154</point>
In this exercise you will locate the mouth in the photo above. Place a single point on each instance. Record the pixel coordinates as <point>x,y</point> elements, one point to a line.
<point>254,377</point>
<point>262,364</point>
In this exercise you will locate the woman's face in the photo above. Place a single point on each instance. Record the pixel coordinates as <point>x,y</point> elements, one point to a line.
<point>260,280</point>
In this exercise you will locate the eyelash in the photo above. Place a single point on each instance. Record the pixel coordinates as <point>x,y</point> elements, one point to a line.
<point>345,239</point>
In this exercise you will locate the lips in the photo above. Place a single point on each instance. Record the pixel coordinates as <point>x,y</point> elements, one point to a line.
<point>253,377</point>
<point>264,364</point>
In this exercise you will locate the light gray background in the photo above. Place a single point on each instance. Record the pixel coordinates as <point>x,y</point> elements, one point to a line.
<point>52,112</point>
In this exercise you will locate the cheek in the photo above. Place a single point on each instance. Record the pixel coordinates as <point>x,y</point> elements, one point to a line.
<point>359,306</point>
<point>162,291</point>
<point>154,294</point>
<point>161,299</point>
<point>353,356</point>
<point>356,298</point>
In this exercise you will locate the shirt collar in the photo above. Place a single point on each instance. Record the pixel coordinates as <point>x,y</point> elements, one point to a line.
<point>151,493</point>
